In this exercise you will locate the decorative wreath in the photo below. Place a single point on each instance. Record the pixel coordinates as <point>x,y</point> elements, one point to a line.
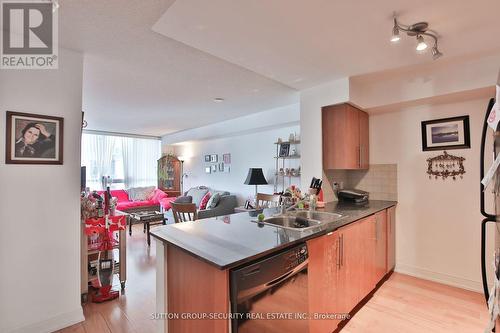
<point>445,166</point>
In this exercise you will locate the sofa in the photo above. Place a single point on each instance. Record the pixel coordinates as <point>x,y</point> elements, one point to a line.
<point>156,200</point>
<point>225,206</point>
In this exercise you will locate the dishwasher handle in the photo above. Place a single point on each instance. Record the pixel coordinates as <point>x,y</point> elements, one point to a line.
<point>250,292</point>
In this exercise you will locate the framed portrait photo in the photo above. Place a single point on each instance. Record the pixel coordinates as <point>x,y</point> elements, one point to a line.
<point>33,139</point>
<point>446,133</point>
<point>207,158</point>
<point>213,158</point>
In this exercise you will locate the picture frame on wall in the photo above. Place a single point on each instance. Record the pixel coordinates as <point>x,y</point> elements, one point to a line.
<point>208,170</point>
<point>33,139</point>
<point>226,158</point>
<point>214,168</point>
<point>284,150</point>
<point>221,167</point>
<point>446,133</point>
<point>207,158</point>
<point>213,158</point>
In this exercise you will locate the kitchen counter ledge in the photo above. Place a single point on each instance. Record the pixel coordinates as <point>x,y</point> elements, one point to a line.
<point>230,241</point>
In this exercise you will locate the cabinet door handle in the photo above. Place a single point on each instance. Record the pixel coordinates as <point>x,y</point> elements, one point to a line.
<point>338,253</point>
<point>342,249</point>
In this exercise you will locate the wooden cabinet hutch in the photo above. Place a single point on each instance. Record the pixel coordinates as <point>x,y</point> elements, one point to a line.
<point>169,175</point>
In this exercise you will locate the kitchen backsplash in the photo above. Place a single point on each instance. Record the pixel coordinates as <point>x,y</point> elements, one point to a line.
<point>381,180</point>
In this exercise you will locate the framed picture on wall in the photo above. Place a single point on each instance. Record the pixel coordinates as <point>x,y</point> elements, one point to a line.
<point>284,150</point>
<point>208,170</point>
<point>446,133</point>
<point>214,168</point>
<point>213,158</point>
<point>33,139</point>
<point>226,158</point>
<point>207,158</point>
<point>221,167</point>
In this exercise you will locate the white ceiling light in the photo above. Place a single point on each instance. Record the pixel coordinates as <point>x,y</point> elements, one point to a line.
<point>395,33</point>
<point>218,99</point>
<point>418,30</point>
<point>421,44</point>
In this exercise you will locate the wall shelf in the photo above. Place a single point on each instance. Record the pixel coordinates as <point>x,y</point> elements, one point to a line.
<point>290,142</point>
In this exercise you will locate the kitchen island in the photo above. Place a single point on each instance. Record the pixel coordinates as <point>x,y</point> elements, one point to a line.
<point>194,260</point>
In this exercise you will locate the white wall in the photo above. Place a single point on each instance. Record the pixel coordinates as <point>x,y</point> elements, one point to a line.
<point>40,206</point>
<point>311,102</point>
<point>438,222</point>
<point>438,78</point>
<point>255,150</point>
<point>269,119</point>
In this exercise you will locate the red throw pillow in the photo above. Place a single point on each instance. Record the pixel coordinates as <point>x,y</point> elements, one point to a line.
<point>204,200</point>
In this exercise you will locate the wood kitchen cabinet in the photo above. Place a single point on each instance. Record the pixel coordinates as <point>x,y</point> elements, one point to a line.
<point>391,238</point>
<point>346,265</point>
<point>345,137</point>
<point>380,263</point>
<point>323,269</point>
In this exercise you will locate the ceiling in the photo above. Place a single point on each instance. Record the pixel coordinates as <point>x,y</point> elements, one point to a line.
<point>137,81</point>
<point>154,66</point>
<point>304,43</point>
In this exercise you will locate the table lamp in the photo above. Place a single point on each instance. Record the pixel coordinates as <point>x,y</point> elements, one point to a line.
<point>255,177</point>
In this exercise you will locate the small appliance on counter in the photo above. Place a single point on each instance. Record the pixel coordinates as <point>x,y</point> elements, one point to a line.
<point>354,196</point>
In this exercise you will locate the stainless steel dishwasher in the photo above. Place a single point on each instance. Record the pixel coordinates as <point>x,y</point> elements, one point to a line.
<point>271,295</point>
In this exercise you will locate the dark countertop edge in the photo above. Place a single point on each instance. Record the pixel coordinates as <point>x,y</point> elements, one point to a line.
<point>270,251</point>
<point>248,259</point>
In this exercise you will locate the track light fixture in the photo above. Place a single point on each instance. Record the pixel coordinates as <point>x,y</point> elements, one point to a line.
<point>418,30</point>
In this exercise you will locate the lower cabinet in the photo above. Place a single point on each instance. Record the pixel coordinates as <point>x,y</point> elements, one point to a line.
<point>380,268</point>
<point>323,275</point>
<point>346,265</point>
<point>391,238</point>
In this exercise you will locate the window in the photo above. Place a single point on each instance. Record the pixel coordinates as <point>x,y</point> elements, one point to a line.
<point>130,162</point>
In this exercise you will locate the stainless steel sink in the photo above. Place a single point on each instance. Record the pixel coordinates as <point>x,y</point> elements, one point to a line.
<point>290,222</point>
<point>301,220</point>
<point>323,217</point>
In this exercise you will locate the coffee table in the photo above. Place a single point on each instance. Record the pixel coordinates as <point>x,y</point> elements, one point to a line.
<point>148,218</point>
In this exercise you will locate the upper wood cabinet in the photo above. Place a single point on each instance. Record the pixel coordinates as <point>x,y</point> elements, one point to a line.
<point>345,137</point>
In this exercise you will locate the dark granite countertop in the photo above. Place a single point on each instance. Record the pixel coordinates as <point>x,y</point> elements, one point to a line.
<point>232,240</point>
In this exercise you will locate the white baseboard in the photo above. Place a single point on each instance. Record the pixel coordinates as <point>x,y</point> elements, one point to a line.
<point>52,324</point>
<point>450,280</point>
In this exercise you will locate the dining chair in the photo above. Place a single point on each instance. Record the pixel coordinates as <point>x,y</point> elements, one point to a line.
<point>184,212</point>
<point>267,200</point>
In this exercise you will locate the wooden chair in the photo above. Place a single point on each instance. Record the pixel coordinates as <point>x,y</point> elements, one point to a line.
<point>184,212</point>
<point>268,200</point>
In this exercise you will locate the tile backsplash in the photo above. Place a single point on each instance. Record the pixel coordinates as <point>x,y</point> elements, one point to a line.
<point>381,180</point>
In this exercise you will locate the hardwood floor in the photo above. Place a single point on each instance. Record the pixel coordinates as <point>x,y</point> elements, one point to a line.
<point>402,304</point>
<point>409,305</point>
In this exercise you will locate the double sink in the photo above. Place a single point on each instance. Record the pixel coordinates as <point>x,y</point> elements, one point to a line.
<point>301,220</point>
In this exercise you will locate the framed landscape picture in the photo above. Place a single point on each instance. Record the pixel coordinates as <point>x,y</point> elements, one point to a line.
<point>446,133</point>
<point>33,139</point>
